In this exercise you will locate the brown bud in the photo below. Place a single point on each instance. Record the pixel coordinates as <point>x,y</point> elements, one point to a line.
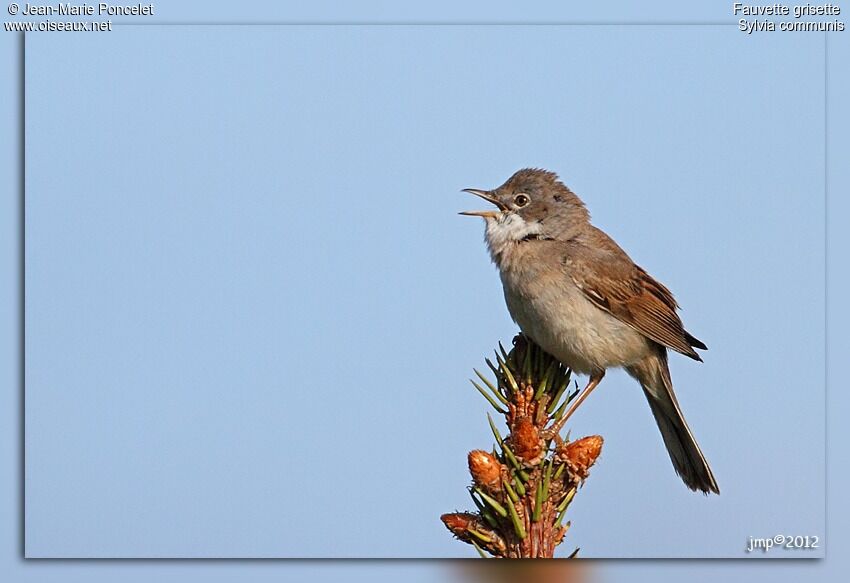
<point>580,455</point>
<point>526,441</point>
<point>470,528</point>
<point>458,522</point>
<point>485,469</point>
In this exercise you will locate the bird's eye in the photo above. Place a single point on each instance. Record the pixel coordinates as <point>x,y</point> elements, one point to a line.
<point>521,200</point>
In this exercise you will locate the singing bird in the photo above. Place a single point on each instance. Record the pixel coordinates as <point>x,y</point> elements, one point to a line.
<point>580,297</point>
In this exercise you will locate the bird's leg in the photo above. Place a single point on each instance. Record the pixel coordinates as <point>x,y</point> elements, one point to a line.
<point>592,383</point>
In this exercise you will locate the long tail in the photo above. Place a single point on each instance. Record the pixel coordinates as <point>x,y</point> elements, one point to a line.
<point>687,458</point>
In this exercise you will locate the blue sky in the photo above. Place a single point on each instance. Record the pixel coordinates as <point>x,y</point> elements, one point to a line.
<point>247,283</point>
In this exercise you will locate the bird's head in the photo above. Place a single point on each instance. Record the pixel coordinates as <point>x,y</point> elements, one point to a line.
<point>533,204</point>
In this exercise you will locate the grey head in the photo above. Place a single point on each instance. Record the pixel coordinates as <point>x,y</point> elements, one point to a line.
<point>531,204</point>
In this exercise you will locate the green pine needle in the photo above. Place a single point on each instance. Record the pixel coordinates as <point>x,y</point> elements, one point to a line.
<point>518,526</point>
<point>538,502</point>
<point>490,386</point>
<point>495,431</point>
<point>480,551</point>
<point>500,510</point>
<point>487,396</point>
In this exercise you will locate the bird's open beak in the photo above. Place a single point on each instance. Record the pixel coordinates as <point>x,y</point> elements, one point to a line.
<point>486,214</point>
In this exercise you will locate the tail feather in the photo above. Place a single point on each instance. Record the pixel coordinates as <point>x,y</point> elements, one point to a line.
<point>694,341</point>
<point>687,458</point>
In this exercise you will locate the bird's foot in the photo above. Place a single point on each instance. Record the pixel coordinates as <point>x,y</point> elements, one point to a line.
<point>554,430</point>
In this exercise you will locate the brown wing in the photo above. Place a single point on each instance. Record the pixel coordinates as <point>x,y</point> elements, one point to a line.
<point>609,279</point>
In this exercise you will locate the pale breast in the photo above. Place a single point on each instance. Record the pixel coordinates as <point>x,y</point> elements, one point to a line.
<point>551,310</point>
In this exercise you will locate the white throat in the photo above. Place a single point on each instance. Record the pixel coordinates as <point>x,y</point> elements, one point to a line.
<point>506,231</point>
